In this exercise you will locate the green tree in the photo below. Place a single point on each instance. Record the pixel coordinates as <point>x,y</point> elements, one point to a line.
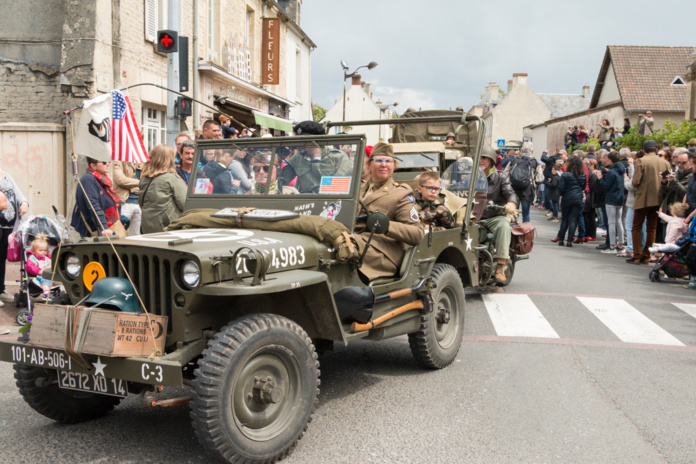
<point>319,112</point>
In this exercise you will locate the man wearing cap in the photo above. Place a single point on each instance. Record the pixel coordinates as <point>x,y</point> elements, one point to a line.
<point>450,139</point>
<point>645,123</point>
<point>381,194</point>
<point>309,164</point>
<point>646,179</point>
<point>501,193</point>
<point>691,145</point>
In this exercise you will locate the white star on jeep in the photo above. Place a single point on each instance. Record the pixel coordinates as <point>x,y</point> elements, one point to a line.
<point>199,235</point>
<point>99,367</point>
<point>468,242</point>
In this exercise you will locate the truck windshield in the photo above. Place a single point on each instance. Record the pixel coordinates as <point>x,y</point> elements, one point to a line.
<point>301,167</point>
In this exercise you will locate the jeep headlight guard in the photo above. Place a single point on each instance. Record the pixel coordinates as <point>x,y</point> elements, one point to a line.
<point>72,266</point>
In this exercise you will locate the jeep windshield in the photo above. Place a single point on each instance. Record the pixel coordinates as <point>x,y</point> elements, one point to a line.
<point>293,166</point>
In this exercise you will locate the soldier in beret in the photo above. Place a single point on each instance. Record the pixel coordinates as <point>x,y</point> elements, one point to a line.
<point>312,162</point>
<point>381,194</point>
<point>431,202</point>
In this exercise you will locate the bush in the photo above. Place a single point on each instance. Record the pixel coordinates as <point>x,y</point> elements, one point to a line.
<point>677,135</point>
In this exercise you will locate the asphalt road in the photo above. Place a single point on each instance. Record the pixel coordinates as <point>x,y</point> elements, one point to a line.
<point>577,393</point>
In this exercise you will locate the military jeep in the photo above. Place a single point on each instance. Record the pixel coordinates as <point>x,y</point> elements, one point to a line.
<point>249,305</point>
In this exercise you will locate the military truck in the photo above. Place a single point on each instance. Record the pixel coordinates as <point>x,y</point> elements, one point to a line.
<point>253,286</point>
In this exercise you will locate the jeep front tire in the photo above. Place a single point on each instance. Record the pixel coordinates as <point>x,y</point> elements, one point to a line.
<point>255,389</point>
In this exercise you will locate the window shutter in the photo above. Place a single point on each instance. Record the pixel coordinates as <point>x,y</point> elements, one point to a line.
<point>150,20</point>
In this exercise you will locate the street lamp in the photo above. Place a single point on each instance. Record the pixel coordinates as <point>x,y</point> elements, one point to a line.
<point>382,109</point>
<point>346,75</point>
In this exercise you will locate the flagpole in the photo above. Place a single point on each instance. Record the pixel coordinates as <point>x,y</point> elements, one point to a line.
<point>232,119</point>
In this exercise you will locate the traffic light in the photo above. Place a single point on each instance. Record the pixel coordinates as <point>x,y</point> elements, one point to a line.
<point>167,41</point>
<point>184,106</point>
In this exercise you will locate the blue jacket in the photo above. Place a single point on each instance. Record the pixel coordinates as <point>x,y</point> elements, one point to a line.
<point>613,184</point>
<point>97,196</point>
<point>571,189</point>
<point>691,195</point>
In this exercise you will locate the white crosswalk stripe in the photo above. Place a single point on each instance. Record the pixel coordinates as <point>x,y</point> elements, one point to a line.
<point>517,316</point>
<point>627,323</point>
<point>689,309</point>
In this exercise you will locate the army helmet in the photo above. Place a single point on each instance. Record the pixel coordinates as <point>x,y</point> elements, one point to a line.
<point>489,152</point>
<point>114,293</point>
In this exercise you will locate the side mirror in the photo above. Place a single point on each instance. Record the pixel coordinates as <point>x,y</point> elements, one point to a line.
<point>378,223</point>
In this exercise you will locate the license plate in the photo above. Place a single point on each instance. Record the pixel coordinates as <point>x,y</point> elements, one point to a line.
<point>92,383</point>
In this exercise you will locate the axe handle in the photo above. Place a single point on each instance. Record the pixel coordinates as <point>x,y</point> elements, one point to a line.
<point>393,295</point>
<point>355,327</point>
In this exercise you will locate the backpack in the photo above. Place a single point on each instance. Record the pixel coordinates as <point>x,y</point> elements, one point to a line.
<point>521,174</point>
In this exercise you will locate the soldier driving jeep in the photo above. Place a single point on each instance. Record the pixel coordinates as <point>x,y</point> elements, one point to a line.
<point>381,194</point>
<point>501,193</point>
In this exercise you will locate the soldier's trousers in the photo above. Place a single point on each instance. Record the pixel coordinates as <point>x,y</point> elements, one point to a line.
<point>502,233</point>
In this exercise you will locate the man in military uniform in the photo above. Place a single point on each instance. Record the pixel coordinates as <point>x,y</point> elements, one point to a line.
<point>449,140</point>
<point>431,202</point>
<point>309,164</point>
<point>381,194</point>
<point>266,176</point>
<point>501,193</point>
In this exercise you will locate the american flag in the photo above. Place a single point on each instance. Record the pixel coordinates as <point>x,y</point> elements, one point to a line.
<point>335,184</point>
<point>126,143</point>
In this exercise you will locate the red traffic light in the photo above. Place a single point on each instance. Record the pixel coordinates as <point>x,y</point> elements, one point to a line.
<point>167,41</point>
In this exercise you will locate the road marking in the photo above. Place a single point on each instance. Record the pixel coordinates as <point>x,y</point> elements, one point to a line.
<point>689,309</point>
<point>627,323</point>
<point>517,316</point>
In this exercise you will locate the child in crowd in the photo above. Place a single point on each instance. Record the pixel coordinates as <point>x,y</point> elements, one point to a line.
<point>552,194</point>
<point>431,202</point>
<point>675,228</point>
<point>37,261</point>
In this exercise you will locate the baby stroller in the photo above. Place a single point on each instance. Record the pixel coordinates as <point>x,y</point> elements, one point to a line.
<point>30,228</point>
<point>671,264</point>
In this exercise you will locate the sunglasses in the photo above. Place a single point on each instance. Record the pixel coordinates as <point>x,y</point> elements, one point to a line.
<point>682,162</point>
<point>257,168</point>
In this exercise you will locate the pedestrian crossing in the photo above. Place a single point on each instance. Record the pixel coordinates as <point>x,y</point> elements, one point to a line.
<point>636,322</point>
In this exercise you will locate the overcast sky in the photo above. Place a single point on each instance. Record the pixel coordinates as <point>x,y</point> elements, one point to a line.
<point>440,54</point>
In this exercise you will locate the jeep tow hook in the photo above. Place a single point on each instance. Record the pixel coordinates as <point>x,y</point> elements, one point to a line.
<point>147,398</point>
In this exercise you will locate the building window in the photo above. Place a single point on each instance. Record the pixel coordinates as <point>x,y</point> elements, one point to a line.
<point>678,81</point>
<point>154,127</point>
<point>214,51</point>
<point>156,18</point>
<point>298,74</point>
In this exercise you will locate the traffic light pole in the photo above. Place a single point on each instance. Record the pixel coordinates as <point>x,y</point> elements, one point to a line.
<point>173,124</point>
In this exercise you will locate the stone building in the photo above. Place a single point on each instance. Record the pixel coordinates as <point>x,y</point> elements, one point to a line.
<point>56,53</point>
<point>507,113</point>
<point>631,81</point>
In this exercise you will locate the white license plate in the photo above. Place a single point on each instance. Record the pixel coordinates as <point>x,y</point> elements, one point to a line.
<point>92,383</point>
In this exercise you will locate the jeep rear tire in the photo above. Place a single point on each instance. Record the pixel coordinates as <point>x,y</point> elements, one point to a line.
<point>255,389</point>
<point>64,406</point>
<point>437,342</point>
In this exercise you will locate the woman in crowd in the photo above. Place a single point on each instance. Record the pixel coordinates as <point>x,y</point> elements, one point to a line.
<point>240,167</point>
<point>614,186</point>
<point>626,126</point>
<point>582,134</point>
<point>571,187</point>
<point>605,132</point>
<point>13,204</point>
<point>162,191</point>
<point>219,173</point>
<point>630,198</point>
<point>97,206</point>
<point>588,212</point>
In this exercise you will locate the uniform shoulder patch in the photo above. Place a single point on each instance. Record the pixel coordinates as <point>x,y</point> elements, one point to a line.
<point>413,214</point>
<point>410,198</point>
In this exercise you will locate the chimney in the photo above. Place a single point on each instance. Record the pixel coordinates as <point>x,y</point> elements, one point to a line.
<point>355,79</point>
<point>519,79</point>
<point>586,91</point>
<point>509,85</point>
<point>494,90</point>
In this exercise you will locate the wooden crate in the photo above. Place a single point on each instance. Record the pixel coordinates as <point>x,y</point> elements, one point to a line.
<point>110,333</point>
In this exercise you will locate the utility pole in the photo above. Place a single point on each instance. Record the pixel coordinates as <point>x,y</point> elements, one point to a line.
<point>173,123</point>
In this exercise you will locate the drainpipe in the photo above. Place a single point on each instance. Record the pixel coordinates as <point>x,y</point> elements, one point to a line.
<point>195,64</point>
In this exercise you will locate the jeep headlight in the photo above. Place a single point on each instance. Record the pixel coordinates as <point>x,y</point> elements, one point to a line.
<point>72,266</point>
<point>190,274</point>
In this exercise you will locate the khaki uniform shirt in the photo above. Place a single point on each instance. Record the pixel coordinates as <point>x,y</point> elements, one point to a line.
<point>386,251</point>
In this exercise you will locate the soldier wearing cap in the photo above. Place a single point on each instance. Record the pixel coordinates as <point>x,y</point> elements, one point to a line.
<point>501,193</point>
<point>381,194</point>
<point>309,164</point>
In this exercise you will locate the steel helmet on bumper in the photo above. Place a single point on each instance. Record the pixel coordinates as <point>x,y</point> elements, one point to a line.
<point>114,293</point>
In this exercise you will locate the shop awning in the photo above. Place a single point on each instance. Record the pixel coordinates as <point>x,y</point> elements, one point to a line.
<point>272,122</point>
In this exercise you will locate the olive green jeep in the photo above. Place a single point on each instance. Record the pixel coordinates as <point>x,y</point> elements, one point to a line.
<point>252,293</point>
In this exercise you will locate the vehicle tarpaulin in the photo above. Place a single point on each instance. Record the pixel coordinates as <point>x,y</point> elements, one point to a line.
<point>434,131</point>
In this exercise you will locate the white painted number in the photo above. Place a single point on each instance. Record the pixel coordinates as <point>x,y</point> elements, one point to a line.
<point>156,372</point>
